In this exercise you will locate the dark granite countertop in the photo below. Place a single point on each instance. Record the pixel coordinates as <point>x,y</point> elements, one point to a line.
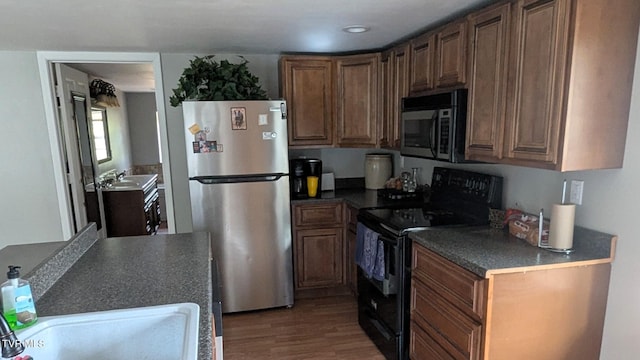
<point>128,272</point>
<point>486,251</point>
<point>358,198</point>
<point>28,256</point>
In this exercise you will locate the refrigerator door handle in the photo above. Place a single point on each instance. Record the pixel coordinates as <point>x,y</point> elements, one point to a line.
<point>283,109</point>
<point>210,180</point>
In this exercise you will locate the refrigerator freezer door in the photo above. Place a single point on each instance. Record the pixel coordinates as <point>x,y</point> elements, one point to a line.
<point>250,228</point>
<point>235,137</point>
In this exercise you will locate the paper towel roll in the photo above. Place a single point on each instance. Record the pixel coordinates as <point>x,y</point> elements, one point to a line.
<point>561,227</point>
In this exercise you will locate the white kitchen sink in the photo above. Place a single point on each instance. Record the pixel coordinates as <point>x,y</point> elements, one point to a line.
<point>164,332</point>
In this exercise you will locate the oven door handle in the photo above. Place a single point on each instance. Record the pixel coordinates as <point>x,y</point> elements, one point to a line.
<point>388,228</point>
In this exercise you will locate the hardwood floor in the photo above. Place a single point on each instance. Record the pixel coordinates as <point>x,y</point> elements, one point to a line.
<point>320,328</point>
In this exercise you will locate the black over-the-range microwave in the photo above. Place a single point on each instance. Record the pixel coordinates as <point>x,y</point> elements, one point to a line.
<point>434,126</point>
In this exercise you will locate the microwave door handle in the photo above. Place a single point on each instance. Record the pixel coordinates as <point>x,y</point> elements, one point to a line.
<point>432,134</point>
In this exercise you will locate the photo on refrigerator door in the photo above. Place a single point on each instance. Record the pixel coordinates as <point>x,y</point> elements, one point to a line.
<point>204,147</point>
<point>238,118</point>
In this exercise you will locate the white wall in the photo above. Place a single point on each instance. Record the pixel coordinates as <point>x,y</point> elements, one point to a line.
<point>141,114</point>
<point>263,66</point>
<point>28,201</point>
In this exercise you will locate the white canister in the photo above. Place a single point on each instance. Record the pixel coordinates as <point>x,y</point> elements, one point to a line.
<point>377,170</point>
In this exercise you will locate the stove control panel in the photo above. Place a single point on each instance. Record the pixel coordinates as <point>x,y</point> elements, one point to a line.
<point>467,185</point>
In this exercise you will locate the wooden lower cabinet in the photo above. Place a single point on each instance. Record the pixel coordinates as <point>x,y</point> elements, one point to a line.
<point>319,253</point>
<point>351,221</point>
<point>319,250</point>
<point>444,308</point>
<point>533,313</point>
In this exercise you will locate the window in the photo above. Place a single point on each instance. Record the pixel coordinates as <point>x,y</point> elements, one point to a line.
<point>100,131</point>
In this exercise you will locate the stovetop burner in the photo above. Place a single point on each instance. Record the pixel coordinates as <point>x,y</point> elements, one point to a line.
<point>415,218</point>
<point>457,198</point>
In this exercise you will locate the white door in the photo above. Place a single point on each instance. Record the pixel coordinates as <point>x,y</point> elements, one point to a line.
<point>72,90</point>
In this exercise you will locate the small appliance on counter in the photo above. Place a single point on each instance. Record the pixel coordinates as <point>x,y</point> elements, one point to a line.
<point>301,170</point>
<point>328,181</point>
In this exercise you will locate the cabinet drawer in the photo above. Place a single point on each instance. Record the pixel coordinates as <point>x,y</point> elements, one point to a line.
<point>462,288</point>
<point>452,329</point>
<point>423,346</point>
<point>318,214</point>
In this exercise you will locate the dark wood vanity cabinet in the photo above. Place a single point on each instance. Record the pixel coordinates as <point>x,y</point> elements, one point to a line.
<point>132,212</point>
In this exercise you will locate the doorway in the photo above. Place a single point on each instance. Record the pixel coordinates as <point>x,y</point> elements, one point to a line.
<point>45,62</point>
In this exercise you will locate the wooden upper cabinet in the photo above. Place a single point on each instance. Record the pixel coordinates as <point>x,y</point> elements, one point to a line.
<point>386,99</point>
<point>394,84</point>
<point>451,55</point>
<point>306,83</point>
<point>566,103</point>
<point>538,65</point>
<point>488,64</point>
<point>357,97</point>
<point>400,89</point>
<point>422,60</point>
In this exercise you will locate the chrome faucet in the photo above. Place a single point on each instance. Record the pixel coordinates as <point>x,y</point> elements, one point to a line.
<point>10,345</point>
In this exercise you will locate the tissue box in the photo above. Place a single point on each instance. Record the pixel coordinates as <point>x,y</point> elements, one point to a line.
<point>526,228</point>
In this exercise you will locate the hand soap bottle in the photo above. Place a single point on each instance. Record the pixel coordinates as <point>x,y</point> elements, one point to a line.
<point>18,307</point>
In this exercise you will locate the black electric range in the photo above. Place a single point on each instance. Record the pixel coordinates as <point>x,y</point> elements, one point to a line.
<point>458,198</point>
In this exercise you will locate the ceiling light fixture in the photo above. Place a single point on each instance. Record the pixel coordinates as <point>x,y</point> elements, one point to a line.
<point>356,29</point>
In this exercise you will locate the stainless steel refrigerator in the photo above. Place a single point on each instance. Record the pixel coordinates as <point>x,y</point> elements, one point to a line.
<point>238,170</point>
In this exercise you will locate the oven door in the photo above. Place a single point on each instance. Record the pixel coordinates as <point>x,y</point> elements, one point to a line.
<point>392,266</point>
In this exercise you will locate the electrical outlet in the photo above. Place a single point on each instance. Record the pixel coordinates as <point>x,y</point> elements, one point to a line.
<point>575,197</point>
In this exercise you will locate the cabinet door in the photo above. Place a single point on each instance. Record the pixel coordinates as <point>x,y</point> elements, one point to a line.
<point>395,84</point>
<point>351,266</point>
<point>319,258</point>
<point>351,223</point>
<point>357,108</point>
<point>451,65</point>
<point>422,58</point>
<point>386,99</point>
<point>126,213</point>
<point>488,55</point>
<point>307,86</point>
<point>400,90</point>
<point>538,59</point>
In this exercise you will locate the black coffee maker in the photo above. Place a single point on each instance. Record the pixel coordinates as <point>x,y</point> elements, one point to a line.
<point>300,169</point>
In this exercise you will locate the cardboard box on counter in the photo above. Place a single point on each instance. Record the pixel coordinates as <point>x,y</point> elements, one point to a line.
<point>526,227</point>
